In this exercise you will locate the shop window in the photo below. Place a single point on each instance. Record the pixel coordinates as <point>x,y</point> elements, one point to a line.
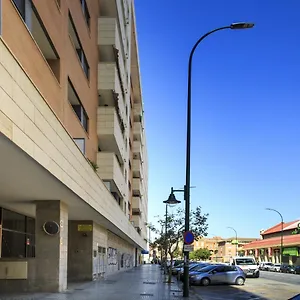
<point>18,235</point>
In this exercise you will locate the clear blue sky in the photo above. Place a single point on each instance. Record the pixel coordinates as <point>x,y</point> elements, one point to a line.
<point>246,108</point>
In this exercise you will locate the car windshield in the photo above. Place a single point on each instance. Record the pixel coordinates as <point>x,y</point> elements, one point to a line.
<point>198,267</point>
<point>245,261</point>
<point>206,269</point>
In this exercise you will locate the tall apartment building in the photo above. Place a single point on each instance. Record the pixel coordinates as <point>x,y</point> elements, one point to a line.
<point>73,175</point>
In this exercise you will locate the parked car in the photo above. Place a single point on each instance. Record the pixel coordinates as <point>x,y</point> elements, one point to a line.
<point>191,265</point>
<point>247,264</point>
<point>297,270</point>
<point>275,268</point>
<point>265,266</point>
<point>287,269</point>
<point>193,268</point>
<point>218,274</point>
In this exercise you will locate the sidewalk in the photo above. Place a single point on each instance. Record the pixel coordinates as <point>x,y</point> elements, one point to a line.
<point>144,282</point>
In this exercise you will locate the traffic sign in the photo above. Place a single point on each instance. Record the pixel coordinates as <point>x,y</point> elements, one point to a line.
<point>188,238</point>
<point>188,248</point>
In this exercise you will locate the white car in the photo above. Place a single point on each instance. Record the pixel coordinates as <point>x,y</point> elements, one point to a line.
<point>275,268</point>
<point>247,264</point>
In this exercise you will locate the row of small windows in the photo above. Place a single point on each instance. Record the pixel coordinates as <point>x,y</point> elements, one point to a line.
<point>37,29</point>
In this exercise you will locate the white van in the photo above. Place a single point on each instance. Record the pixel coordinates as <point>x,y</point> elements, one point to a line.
<point>247,263</point>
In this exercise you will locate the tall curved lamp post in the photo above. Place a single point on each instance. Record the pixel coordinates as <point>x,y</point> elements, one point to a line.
<point>171,201</point>
<point>281,236</point>
<point>236,240</point>
<point>187,186</point>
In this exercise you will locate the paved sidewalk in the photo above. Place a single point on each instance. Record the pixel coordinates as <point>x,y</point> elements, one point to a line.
<point>144,282</point>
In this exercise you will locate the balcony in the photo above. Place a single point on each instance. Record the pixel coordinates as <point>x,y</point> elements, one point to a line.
<point>110,44</point>
<point>137,188</point>
<point>109,170</point>
<point>137,131</point>
<point>137,222</point>
<point>136,205</point>
<point>137,150</point>
<point>137,168</point>
<point>137,111</point>
<point>109,130</point>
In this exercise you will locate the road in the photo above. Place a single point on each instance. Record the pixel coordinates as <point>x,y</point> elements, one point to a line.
<point>270,286</point>
<point>281,277</point>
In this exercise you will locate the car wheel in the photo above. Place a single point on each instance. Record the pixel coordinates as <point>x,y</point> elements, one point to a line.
<point>205,281</point>
<point>240,281</point>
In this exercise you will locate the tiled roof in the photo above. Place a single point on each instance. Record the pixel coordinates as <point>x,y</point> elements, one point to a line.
<point>288,240</point>
<point>286,226</point>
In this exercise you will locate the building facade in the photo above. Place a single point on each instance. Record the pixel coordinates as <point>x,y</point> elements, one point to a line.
<point>267,249</point>
<point>74,170</point>
<point>222,249</point>
<point>228,248</point>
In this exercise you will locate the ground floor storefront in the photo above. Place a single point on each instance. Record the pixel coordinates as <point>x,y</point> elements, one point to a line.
<point>42,255</point>
<point>268,250</point>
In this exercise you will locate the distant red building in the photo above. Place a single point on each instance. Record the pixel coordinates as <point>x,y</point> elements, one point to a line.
<point>268,248</point>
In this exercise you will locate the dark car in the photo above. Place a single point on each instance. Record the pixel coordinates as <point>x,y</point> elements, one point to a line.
<point>180,270</point>
<point>193,268</point>
<point>297,270</point>
<point>287,269</point>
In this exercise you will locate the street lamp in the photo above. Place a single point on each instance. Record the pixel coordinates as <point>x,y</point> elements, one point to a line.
<point>281,237</point>
<point>171,201</point>
<point>242,25</point>
<point>236,240</point>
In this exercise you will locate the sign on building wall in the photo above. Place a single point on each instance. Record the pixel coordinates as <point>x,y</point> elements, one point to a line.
<point>85,227</point>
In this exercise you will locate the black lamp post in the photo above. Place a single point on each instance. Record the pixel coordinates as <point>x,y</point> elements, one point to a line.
<point>242,25</point>
<point>236,240</point>
<point>281,236</point>
<point>171,201</point>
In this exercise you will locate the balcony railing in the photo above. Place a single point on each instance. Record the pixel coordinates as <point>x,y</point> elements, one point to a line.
<point>109,170</point>
<point>109,131</point>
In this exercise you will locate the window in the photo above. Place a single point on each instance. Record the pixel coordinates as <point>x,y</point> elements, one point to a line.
<point>85,11</point>
<point>18,235</point>
<point>76,42</point>
<point>38,31</point>
<point>20,5</point>
<point>80,143</point>
<point>77,106</point>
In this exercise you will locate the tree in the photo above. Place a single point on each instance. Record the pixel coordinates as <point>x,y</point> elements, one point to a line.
<point>200,254</point>
<point>173,235</point>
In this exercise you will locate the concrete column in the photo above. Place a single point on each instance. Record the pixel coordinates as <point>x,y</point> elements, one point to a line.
<point>51,250</point>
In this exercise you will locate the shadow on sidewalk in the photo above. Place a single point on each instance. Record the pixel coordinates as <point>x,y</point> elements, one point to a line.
<point>216,292</point>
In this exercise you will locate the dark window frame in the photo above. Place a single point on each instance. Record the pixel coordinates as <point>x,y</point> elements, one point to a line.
<point>27,234</point>
<point>84,146</point>
<point>86,13</point>
<point>82,114</point>
<point>80,52</point>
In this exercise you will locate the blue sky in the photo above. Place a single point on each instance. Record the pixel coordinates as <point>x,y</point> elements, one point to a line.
<point>246,108</point>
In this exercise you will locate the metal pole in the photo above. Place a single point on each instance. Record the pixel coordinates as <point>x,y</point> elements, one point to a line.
<point>281,235</point>
<point>166,246</point>
<point>188,146</point>
<point>188,160</point>
<point>236,240</point>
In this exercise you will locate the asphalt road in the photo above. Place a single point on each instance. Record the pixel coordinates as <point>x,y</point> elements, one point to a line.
<point>281,277</point>
<point>270,286</point>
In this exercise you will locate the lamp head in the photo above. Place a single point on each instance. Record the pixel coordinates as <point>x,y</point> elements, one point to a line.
<point>241,25</point>
<point>172,199</point>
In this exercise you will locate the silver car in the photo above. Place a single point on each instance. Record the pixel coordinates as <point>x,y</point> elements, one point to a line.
<point>218,274</point>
